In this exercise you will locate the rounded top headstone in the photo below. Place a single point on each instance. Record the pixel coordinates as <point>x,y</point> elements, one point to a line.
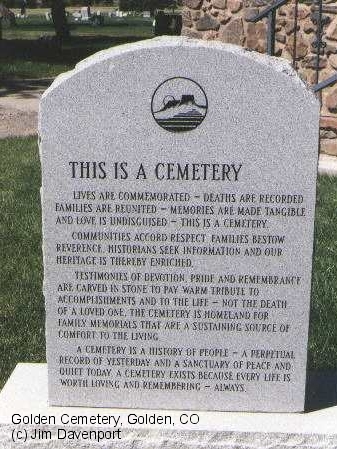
<point>178,192</point>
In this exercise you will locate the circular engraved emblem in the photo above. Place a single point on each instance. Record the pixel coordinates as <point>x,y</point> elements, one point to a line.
<point>179,104</point>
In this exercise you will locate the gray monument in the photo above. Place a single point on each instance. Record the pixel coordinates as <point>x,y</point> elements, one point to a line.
<point>178,199</point>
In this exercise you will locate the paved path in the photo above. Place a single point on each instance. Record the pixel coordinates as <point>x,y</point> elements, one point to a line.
<point>327,165</point>
<point>19,100</point>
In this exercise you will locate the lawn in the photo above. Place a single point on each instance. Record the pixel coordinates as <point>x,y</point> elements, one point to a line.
<point>27,51</point>
<point>21,302</point>
<point>35,27</point>
<point>323,329</point>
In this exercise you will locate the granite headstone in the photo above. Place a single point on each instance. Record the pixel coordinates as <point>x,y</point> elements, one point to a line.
<point>178,199</point>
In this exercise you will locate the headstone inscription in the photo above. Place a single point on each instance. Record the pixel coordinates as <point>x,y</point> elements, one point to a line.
<point>178,201</point>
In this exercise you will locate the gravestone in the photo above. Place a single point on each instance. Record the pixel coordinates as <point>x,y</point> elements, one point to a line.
<point>178,199</point>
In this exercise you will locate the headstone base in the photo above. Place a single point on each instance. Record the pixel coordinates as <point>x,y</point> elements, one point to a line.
<point>25,394</point>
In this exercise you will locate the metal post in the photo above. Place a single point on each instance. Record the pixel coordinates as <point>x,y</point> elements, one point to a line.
<point>295,34</point>
<point>270,14</point>
<point>271,32</point>
<point>319,38</point>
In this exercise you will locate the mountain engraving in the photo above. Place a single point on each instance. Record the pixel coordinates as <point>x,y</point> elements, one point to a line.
<point>181,112</point>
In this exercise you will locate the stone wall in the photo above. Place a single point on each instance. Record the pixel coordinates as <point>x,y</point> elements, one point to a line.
<point>228,21</point>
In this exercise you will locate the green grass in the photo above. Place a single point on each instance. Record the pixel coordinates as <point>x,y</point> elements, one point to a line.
<point>21,301</point>
<point>323,329</point>
<point>24,55</point>
<point>37,26</point>
<point>17,69</point>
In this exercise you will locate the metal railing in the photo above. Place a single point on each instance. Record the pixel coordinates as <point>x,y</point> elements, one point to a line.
<point>270,14</point>
<point>326,83</point>
<point>317,18</point>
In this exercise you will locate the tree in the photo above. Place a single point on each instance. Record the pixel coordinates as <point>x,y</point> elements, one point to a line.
<point>58,14</point>
<point>6,15</point>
